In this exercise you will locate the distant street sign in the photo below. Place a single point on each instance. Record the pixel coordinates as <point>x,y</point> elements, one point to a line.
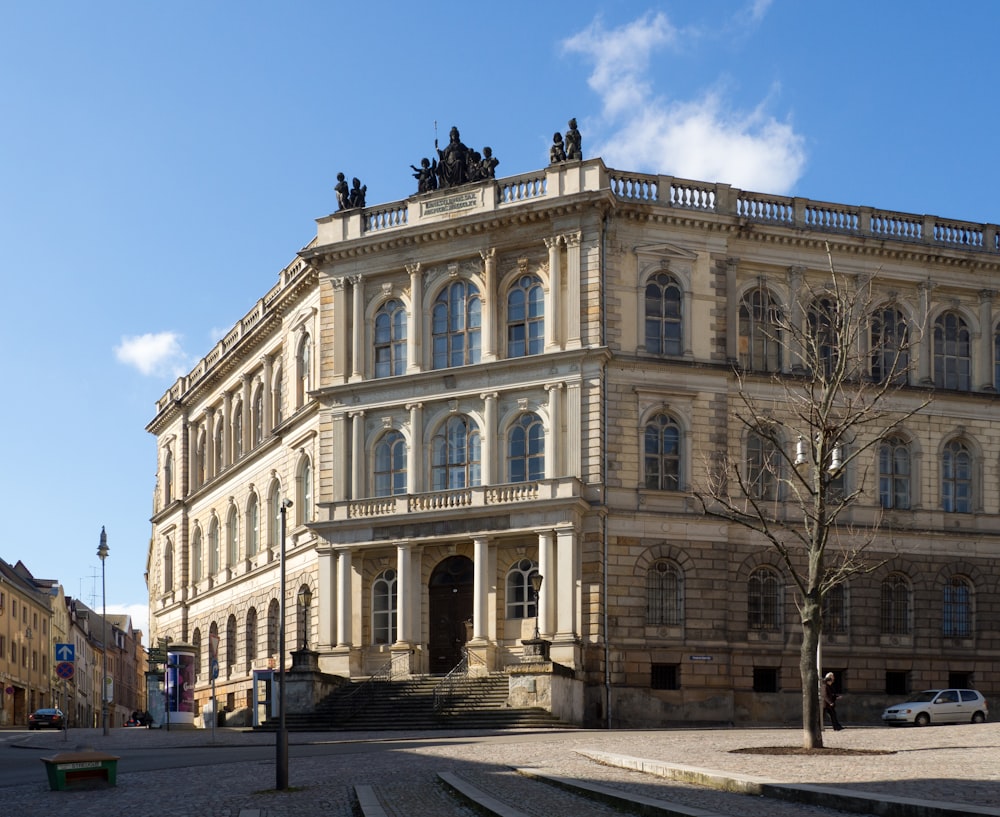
<point>215,668</point>
<point>64,669</point>
<point>157,656</point>
<point>65,652</point>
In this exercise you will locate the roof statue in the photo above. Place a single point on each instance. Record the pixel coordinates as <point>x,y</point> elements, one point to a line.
<point>349,198</point>
<point>455,165</point>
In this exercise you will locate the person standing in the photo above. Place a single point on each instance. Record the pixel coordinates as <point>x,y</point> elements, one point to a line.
<point>830,701</point>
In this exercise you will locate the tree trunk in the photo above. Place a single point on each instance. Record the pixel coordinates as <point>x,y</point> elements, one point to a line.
<point>812,710</point>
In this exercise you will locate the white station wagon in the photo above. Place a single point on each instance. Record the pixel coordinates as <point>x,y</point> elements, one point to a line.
<point>939,706</point>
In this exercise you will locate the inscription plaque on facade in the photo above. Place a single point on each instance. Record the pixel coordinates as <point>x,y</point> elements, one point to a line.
<point>449,204</point>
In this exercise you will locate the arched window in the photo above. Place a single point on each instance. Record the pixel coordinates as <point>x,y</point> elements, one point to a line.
<point>455,455</point>
<point>956,609</point>
<point>824,322</point>
<point>662,454</point>
<point>196,643</point>
<point>257,416</point>
<point>763,467</point>
<point>956,478</point>
<point>305,491</point>
<point>525,317</point>
<point>759,333</point>
<point>199,458</point>
<point>663,594</point>
<point>663,315</point>
<point>764,613</point>
<point>213,546</point>
<point>230,645</point>
<point>455,325</point>
<point>952,353</point>
<point>196,556</point>
<point>220,449</point>
<point>273,615</point>
<point>390,465</point>
<point>253,525</point>
<point>895,605</point>
<point>835,610</point>
<point>890,346</point>
<point>278,395</point>
<point>384,608</point>
<point>168,477</point>
<point>232,537</point>
<point>303,365</point>
<point>237,430</point>
<point>526,449</point>
<point>274,515</point>
<point>894,474</point>
<point>390,339</point>
<point>251,637</point>
<point>168,566</point>
<point>521,602</point>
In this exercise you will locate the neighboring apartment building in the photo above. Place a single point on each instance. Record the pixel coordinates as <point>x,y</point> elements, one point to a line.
<point>527,375</point>
<point>25,625</point>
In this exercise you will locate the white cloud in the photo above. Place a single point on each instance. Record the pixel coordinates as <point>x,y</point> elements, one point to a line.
<point>706,138</point>
<point>157,354</point>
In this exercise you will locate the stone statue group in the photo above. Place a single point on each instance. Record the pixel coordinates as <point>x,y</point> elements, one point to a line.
<point>457,164</point>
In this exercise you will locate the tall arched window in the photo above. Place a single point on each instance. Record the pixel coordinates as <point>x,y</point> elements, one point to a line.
<point>253,525</point>
<point>759,333</point>
<point>251,637</point>
<point>455,455</point>
<point>232,537</point>
<point>525,317</point>
<point>278,396</point>
<point>274,515</point>
<point>952,353</point>
<point>305,491</point>
<point>168,566</point>
<point>956,478</point>
<point>890,346</point>
<point>390,464</point>
<point>168,477</point>
<point>894,474</point>
<point>956,609</point>
<point>764,604</point>
<point>390,339</point>
<point>303,365</point>
<point>199,457</point>
<point>824,323</point>
<point>456,322</point>
<point>663,594</point>
<point>895,605</point>
<point>257,416</point>
<point>763,467</point>
<point>662,454</point>
<point>237,430</point>
<point>521,602</point>
<point>196,556</point>
<point>835,610</point>
<point>219,446</point>
<point>526,449</point>
<point>384,608</point>
<point>663,315</point>
<point>213,547</point>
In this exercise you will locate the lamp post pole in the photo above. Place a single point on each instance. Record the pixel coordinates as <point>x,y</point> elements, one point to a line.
<point>102,553</point>
<point>281,739</point>
<point>305,599</point>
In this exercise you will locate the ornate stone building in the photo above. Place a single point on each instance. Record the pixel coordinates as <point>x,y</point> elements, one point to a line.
<point>529,374</point>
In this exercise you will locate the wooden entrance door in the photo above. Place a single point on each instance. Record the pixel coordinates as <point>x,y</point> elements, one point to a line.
<point>450,596</point>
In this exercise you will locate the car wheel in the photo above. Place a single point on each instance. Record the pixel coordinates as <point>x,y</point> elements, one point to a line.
<point>978,717</point>
<point>922,719</point>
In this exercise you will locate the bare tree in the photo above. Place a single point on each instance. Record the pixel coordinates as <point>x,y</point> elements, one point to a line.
<point>804,431</point>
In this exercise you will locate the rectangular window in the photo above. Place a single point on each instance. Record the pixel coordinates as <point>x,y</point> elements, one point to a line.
<point>664,676</point>
<point>960,680</point>
<point>765,679</point>
<point>896,683</point>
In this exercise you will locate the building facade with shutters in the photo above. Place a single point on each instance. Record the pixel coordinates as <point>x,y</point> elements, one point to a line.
<point>531,375</point>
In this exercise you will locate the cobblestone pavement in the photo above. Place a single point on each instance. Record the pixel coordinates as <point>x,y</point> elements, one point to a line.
<point>942,763</point>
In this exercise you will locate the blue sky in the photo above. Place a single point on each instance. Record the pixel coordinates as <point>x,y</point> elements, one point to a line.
<point>160,164</point>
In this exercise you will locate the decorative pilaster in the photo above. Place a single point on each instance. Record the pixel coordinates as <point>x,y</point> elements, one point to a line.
<point>553,305</point>
<point>489,440</point>
<point>480,590</point>
<point>554,436</point>
<point>340,324</point>
<point>357,327</point>
<point>489,301</point>
<point>573,293</point>
<point>414,453</point>
<point>984,375</point>
<point>414,319</point>
<point>344,598</point>
<point>357,487</point>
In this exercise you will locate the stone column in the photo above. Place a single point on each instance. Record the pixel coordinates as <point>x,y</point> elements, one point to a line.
<point>574,296</point>
<point>267,398</point>
<point>414,454</point>
<point>245,413</point>
<point>481,586</point>
<point>925,339</point>
<point>344,598</point>
<point>489,302</point>
<point>404,627</point>
<point>327,592</point>
<point>340,323</point>
<point>490,455</point>
<point>549,584</point>
<point>553,305</point>
<point>227,432</point>
<point>732,312</point>
<point>357,488</point>
<point>414,319</point>
<point>554,438</point>
<point>566,578</point>
<point>795,316</point>
<point>572,408</point>
<point>358,327</point>
<point>984,357</point>
<point>209,444</point>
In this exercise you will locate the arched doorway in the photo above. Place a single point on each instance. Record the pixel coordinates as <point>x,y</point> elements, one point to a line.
<point>450,596</point>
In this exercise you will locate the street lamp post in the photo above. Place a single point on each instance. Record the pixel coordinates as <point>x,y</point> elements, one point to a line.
<point>281,739</point>
<point>305,599</point>
<point>102,553</point>
<point>536,585</point>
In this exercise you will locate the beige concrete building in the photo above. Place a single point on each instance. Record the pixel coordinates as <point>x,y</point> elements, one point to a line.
<point>528,375</point>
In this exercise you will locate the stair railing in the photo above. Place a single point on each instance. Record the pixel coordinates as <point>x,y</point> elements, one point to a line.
<point>445,691</point>
<point>362,695</point>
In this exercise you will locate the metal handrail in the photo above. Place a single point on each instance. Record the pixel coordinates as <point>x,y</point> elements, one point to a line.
<point>362,694</point>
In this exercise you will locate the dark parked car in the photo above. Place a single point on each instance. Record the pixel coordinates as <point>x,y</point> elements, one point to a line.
<point>45,717</point>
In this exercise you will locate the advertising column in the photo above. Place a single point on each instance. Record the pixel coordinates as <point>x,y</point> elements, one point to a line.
<point>180,685</point>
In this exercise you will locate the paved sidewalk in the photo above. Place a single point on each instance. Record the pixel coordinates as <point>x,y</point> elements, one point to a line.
<point>941,763</point>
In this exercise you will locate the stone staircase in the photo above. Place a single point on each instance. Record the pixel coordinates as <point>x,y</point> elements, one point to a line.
<point>472,703</point>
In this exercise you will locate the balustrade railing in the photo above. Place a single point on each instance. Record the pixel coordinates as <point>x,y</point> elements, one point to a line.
<point>445,691</point>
